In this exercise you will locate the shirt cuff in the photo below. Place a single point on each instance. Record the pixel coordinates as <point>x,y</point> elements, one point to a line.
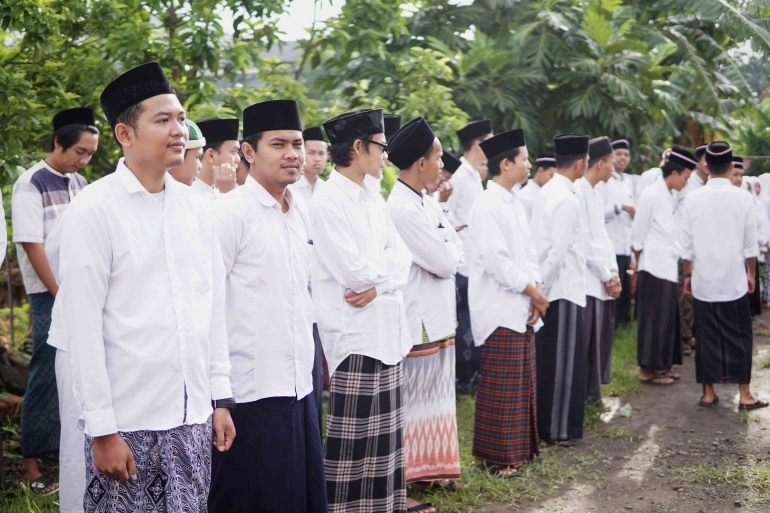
<point>618,209</point>
<point>751,253</point>
<point>382,289</point>
<point>220,387</point>
<point>19,238</point>
<point>520,282</point>
<point>606,274</point>
<point>686,255</point>
<point>100,422</point>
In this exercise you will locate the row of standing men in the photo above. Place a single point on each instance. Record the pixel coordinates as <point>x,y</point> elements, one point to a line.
<point>167,300</point>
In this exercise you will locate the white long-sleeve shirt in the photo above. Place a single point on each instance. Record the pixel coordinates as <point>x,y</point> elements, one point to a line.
<point>655,232</point>
<point>302,188</point>
<point>557,232</point>
<point>429,294</point>
<point>467,186</point>
<point>209,191</point>
<point>356,247</point>
<point>527,197</point>
<point>268,310</point>
<point>142,306</point>
<point>646,179</point>
<point>600,254</point>
<point>616,193</point>
<point>503,266</point>
<point>719,232</point>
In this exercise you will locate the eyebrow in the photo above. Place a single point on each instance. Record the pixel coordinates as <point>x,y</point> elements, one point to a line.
<point>281,139</point>
<point>165,113</point>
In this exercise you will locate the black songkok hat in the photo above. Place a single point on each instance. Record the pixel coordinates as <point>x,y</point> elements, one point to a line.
<point>545,161</point>
<point>77,116</point>
<point>599,148</point>
<point>700,151</point>
<point>738,161</point>
<point>358,124</point>
<point>271,115</point>
<point>474,129</point>
<point>216,130</point>
<point>314,133</point>
<point>719,152</point>
<point>683,157</point>
<point>503,143</point>
<point>451,163</point>
<point>410,143</point>
<point>392,124</point>
<point>621,144</point>
<point>133,87</point>
<point>570,144</point>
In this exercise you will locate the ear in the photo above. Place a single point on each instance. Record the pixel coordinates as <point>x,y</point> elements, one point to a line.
<point>248,152</point>
<point>358,146</point>
<point>124,134</point>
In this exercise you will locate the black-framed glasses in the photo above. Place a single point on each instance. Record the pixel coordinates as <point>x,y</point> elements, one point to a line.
<point>381,145</point>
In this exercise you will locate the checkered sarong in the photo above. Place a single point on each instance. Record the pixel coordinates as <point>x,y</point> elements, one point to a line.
<point>505,432</point>
<point>364,456</point>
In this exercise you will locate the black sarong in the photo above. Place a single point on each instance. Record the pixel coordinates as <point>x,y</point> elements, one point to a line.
<point>275,462</point>
<point>755,298</point>
<point>657,335</point>
<point>598,332</point>
<point>468,356</point>
<point>725,341</point>
<point>623,303</point>
<point>561,373</point>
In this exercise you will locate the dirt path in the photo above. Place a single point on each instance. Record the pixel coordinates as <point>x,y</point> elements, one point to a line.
<point>685,458</point>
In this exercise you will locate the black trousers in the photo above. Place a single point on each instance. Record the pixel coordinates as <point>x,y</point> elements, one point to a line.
<point>623,303</point>
<point>318,375</point>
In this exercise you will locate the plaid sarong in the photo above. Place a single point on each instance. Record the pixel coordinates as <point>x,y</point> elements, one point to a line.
<point>506,402</point>
<point>364,456</point>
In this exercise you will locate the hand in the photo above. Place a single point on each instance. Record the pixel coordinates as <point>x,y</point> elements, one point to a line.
<point>751,284</point>
<point>634,265</point>
<point>688,286</point>
<point>445,190</point>
<point>630,210</point>
<point>224,177</point>
<point>113,458</point>
<point>360,300</point>
<point>533,316</point>
<point>539,302</point>
<point>617,287</point>
<point>224,429</point>
<point>460,228</point>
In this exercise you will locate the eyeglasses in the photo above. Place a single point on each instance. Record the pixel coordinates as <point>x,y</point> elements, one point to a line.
<point>384,147</point>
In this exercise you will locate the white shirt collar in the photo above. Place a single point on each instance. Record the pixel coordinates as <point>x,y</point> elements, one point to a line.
<point>501,191</point>
<point>132,183</point>
<point>347,185</point>
<point>566,182</point>
<point>718,182</point>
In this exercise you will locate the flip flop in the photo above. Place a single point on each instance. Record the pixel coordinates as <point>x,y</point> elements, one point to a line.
<point>497,470</point>
<point>562,443</point>
<point>708,405</point>
<point>757,405</point>
<point>40,484</point>
<point>670,374</point>
<point>654,381</point>
<point>420,507</point>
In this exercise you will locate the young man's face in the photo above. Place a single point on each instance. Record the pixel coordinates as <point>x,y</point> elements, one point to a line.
<point>160,135</point>
<point>316,156</point>
<point>702,169</point>
<point>483,168</point>
<point>679,179</point>
<point>432,166</point>
<point>192,163</point>
<point>581,166</point>
<point>279,158</point>
<point>445,175</point>
<point>736,176</point>
<point>544,175</point>
<point>372,161</point>
<point>622,159</point>
<point>521,166</point>
<point>605,171</point>
<point>77,156</point>
<point>227,154</point>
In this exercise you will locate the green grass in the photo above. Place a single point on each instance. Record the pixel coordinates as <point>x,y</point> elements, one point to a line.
<point>624,368</point>
<point>750,475</point>
<point>764,361</point>
<point>17,500</point>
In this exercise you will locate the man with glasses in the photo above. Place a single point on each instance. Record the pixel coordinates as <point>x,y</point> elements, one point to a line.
<point>360,265</point>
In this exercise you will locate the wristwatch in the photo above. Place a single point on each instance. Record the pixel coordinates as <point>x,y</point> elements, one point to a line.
<point>228,403</point>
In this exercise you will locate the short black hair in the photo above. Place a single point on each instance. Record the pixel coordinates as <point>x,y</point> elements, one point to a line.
<point>493,164</point>
<point>68,135</point>
<point>341,154</point>
<point>129,117</point>
<point>591,163</point>
<point>251,140</point>
<point>467,145</point>
<point>719,169</point>
<point>669,167</point>
<point>563,161</point>
<point>214,146</point>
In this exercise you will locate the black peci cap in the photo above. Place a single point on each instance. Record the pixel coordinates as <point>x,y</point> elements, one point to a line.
<point>503,143</point>
<point>474,129</point>
<point>621,144</point>
<point>683,157</point>
<point>700,151</point>
<point>392,125</point>
<point>314,133</point>
<point>410,143</point>
<point>545,161</point>
<point>718,153</point>
<point>358,124</point>
<point>216,130</point>
<point>451,163</point>
<point>599,148</point>
<point>77,116</point>
<point>570,144</point>
<point>738,162</point>
<point>271,115</point>
<point>133,87</point>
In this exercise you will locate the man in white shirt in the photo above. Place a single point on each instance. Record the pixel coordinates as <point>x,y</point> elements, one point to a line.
<point>316,157</point>
<point>506,305</point>
<point>602,281</point>
<point>655,242</point>
<point>141,311</point>
<point>220,157</point>
<point>430,424</point>
<point>719,246</point>
<point>193,153</point>
<point>558,237</point>
<point>618,198</point>
<point>546,166</point>
<point>40,195</point>
<point>467,185</point>
<point>360,265</point>
<point>264,233</point>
